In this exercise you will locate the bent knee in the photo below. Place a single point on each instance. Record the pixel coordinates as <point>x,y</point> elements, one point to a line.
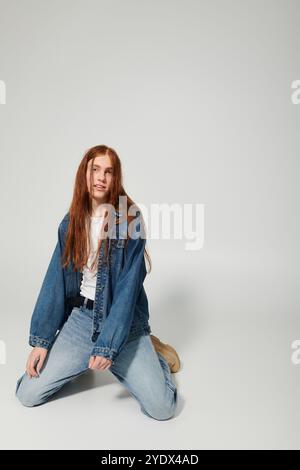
<point>161,414</point>
<point>162,410</point>
<point>26,402</point>
<point>27,399</point>
<point>26,396</point>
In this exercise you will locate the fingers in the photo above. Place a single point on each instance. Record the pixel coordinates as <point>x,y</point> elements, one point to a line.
<point>39,364</point>
<point>30,367</point>
<point>104,366</point>
<point>99,363</point>
<point>35,362</point>
<point>91,362</point>
<point>27,369</point>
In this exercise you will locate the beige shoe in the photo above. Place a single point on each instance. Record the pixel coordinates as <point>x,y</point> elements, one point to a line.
<point>167,352</point>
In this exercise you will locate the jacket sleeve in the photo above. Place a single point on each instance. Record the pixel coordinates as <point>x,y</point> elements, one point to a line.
<point>117,324</point>
<point>50,308</point>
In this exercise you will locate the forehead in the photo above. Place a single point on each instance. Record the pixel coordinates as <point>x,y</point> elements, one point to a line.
<point>101,160</point>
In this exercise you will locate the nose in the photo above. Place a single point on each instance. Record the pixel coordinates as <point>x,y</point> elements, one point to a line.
<point>101,177</point>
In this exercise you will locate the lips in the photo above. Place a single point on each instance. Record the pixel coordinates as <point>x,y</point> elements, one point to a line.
<point>99,186</point>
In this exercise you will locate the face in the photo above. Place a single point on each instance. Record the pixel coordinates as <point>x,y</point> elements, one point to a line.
<point>102,175</point>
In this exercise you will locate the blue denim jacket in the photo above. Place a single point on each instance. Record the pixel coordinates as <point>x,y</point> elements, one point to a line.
<point>120,310</point>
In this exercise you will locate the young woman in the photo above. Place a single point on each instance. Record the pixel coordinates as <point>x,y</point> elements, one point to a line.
<point>92,309</point>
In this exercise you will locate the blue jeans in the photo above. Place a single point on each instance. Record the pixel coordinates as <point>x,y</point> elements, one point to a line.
<point>143,371</point>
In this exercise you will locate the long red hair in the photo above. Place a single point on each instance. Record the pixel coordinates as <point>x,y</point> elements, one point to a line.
<point>78,233</point>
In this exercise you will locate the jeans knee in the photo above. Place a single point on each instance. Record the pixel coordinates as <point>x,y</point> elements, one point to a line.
<point>161,414</point>
<point>162,411</point>
<point>27,397</point>
<point>26,402</point>
<point>30,400</point>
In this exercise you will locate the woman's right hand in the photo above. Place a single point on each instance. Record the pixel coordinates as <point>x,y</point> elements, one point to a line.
<point>35,361</point>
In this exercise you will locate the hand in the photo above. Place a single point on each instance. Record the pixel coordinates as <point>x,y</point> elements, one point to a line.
<point>99,363</point>
<point>35,361</point>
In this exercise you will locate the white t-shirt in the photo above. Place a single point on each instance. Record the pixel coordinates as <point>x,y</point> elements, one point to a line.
<point>88,284</point>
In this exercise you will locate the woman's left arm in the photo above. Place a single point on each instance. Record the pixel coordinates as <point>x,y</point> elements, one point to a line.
<point>116,327</point>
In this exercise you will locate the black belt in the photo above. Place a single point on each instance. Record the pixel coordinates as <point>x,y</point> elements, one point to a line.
<point>81,300</point>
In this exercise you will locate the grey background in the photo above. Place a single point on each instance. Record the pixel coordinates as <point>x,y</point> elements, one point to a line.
<point>195,96</point>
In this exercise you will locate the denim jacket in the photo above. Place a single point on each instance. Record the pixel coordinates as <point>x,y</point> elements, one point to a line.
<point>120,311</point>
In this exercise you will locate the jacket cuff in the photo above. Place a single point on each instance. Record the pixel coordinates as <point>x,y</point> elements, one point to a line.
<point>35,341</point>
<point>108,353</point>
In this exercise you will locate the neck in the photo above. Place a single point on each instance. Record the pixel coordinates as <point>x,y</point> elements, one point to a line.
<point>98,208</point>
